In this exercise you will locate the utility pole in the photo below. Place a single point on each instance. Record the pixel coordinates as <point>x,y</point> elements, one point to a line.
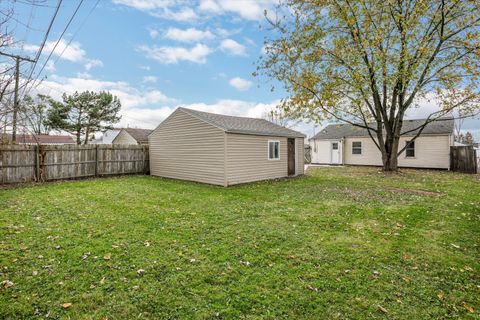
<point>15,99</point>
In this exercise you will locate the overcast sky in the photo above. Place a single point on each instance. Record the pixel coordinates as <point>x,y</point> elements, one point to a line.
<point>156,55</point>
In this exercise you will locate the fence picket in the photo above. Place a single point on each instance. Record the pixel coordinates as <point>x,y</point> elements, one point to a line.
<point>27,163</point>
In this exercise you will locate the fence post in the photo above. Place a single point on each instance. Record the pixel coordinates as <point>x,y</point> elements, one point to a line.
<point>96,160</point>
<point>37,163</point>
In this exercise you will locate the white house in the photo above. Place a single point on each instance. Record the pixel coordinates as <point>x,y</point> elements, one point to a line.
<point>107,136</point>
<point>345,144</point>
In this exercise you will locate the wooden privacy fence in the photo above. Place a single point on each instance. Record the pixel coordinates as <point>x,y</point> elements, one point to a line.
<point>27,163</point>
<point>463,159</point>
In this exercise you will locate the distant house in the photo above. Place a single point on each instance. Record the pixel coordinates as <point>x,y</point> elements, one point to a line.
<point>132,136</point>
<point>223,150</point>
<point>107,136</point>
<point>339,144</point>
<point>41,139</point>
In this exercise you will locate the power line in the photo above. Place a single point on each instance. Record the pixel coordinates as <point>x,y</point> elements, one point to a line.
<point>42,45</point>
<point>71,39</point>
<point>56,44</point>
<point>76,31</point>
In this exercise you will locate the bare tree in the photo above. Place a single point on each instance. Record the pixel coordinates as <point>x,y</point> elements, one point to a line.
<point>279,117</point>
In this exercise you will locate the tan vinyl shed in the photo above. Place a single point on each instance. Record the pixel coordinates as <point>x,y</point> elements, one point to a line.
<point>223,150</point>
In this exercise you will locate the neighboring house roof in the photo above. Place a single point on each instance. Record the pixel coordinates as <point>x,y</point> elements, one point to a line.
<point>42,139</point>
<point>253,126</point>
<point>107,136</point>
<point>338,131</point>
<point>140,135</point>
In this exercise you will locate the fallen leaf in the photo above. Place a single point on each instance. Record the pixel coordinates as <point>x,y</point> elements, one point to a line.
<point>382,309</point>
<point>102,281</point>
<point>146,243</point>
<point>108,256</point>
<point>7,284</point>
<point>312,288</point>
<point>456,246</point>
<point>34,273</point>
<point>140,271</point>
<point>469,308</point>
<point>441,295</point>
<point>66,305</point>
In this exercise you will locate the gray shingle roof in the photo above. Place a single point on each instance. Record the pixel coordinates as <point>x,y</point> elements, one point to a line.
<point>141,135</point>
<point>244,125</point>
<point>338,131</point>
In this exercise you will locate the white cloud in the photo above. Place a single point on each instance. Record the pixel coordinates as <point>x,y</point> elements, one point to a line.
<point>240,84</point>
<point>153,33</point>
<point>188,35</point>
<point>173,55</point>
<point>145,5</point>
<point>247,9</point>
<point>84,75</point>
<point>73,52</point>
<point>93,63</point>
<point>129,96</point>
<point>167,9</point>
<point>183,15</point>
<point>50,66</point>
<point>150,79</point>
<point>147,68</point>
<point>188,10</point>
<point>232,47</point>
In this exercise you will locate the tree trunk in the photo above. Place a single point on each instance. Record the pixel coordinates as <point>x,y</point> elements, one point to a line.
<point>390,155</point>
<point>79,140</point>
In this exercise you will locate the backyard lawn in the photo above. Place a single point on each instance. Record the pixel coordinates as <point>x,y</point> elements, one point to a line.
<point>339,243</point>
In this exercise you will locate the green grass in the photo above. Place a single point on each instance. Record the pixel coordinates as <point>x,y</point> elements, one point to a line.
<point>340,243</point>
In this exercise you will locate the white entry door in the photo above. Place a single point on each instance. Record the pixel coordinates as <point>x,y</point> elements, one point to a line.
<point>335,153</point>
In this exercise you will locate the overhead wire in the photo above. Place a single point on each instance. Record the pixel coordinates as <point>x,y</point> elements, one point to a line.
<point>55,46</point>
<point>42,45</point>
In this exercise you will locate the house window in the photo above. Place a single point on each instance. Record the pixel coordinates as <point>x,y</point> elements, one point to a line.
<point>357,147</point>
<point>410,150</point>
<point>273,150</point>
<point>334,145</point>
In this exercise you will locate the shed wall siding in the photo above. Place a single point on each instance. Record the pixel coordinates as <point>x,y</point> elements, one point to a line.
<point>186,148</point>
<point>124,138</point>
<point>300,156</point>
<point>247,158</point>
<point>430,152</point>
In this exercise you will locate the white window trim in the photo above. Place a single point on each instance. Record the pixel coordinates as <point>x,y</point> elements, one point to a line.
<point>361,149</point>
<point>268,150</point>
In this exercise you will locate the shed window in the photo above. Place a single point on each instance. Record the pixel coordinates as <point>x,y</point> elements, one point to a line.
<point>410,150</point>
<point>357,147</point>
<point>273,150</point>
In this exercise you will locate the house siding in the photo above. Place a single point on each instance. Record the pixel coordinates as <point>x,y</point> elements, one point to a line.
<point>430,152</point>
<point>247,158</point>
<point>322,150</point>
<point>184,147</point>
<point>124,138</point>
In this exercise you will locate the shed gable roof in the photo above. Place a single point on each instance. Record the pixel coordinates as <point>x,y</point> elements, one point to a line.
<point>243,125</point>
<point>341,130</point>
